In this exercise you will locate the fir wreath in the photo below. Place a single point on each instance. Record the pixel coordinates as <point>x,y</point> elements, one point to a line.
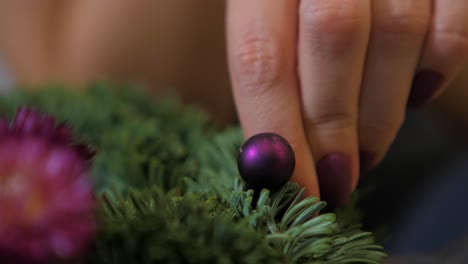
<point>168,189</point>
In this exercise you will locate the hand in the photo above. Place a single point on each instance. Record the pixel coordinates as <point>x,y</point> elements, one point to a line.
<point>335,77</point>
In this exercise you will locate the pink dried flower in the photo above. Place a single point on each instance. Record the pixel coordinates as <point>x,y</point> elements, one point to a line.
<point>47,210</point>
<point>28,122</point>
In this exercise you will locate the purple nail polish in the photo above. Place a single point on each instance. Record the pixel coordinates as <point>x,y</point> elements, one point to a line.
<point>366,162</point>
<point>334,175</point>
<point>425,84</point>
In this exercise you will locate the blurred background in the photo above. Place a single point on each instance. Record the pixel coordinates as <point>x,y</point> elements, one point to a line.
<point>178,47</point>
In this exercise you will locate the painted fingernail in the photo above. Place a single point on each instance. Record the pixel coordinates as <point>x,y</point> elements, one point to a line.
<point>425,84</point>
<point>366,162</point>
<point>334,175</point>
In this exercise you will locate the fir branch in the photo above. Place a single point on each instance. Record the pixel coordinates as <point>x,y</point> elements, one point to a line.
<point>170,190</point>
<point>158,228</point>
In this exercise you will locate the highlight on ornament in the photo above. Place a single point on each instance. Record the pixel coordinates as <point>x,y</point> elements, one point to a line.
<point>266,160</point>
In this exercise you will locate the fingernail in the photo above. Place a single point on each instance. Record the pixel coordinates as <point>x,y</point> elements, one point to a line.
<point>366,162</point>
<point>425,84</point>
<point>334,175</point>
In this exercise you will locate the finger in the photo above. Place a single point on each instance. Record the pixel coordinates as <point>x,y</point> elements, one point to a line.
<point>261,48</point>
<point>333,37</point>
<point>445,52</point>
<point>397,37</point>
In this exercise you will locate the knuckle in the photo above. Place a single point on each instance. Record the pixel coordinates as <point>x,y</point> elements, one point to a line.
<point>257,60</point>
<point>332,120</point>
<point>331,24</point>
<point>455,39</point>
<point>410,20</point>
<point>382,127</point>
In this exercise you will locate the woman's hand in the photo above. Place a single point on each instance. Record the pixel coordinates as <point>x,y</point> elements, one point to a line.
<point>335,77</point>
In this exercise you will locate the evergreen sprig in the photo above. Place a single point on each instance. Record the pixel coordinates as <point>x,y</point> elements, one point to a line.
<point>170,192</point>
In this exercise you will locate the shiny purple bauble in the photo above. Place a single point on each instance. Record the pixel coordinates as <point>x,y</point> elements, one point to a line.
<point>266,160</point>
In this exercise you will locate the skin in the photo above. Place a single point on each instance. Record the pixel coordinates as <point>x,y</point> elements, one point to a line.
<point>332,77</point>
<point>344,69</point>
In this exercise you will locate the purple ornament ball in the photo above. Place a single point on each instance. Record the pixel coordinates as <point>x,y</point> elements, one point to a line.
<point>266,160</point>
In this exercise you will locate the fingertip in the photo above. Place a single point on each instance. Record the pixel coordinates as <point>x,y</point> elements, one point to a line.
<point>335,179</point>
<point>425,85</point>
<point>445,52</point>
<point>305,172</point>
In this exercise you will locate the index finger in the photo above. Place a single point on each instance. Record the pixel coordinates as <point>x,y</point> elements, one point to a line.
<point>261,54</point>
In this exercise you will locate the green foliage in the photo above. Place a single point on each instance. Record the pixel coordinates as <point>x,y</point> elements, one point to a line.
<point>157,228</point>
<point>170,192</point>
